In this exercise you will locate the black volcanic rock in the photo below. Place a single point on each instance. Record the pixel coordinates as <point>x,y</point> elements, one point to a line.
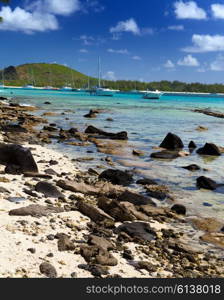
<point>123,135</point>
<point>192,145</point>
<point>117,177</point>
<point>192,168</point>
<point>16,155</point>
<point>172,142</point>
<point>206,183</point>
<point>209,149</point>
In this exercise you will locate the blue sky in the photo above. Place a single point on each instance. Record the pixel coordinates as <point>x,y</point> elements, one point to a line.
<point>137,39</point>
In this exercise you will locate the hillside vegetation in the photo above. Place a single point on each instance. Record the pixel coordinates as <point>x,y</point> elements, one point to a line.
<point>43,74</point>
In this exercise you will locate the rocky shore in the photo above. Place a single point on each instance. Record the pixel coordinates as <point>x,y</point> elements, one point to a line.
<point>59,221</point>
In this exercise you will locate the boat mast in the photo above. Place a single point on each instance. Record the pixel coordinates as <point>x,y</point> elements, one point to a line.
<point>3,77</point>
<point>99,72</point>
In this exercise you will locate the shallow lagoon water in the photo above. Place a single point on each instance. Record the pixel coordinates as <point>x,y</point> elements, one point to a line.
<point>147,123</point>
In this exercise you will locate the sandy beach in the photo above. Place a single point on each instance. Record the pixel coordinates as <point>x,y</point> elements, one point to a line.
<point>61,221</point>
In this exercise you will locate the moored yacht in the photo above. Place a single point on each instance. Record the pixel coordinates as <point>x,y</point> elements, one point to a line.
<point>153,95</point>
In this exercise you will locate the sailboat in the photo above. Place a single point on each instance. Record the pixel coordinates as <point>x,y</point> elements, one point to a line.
<point>30,86</point>
<point>2,85</point>
<point>101,91</point>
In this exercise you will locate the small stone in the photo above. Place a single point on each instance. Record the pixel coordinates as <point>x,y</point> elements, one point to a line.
<point>31,250</point>
<point>48,270</point>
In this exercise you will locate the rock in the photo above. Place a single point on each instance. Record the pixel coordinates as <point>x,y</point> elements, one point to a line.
<point>50,172</point>
<point>95,214</point>
<point>154,211</point>
<point>165,155</point>
<point>117,177</point>
<point>31,250</point>
<point>179,209</point>
<point>121,212</point>
<point>16,199</point>
<point>192,145</point>
<point>147,266</point>
<point>53,162</point>
<point>78,187</point>
<point>172,142</point>
<point>48,190</point>
<point>137,230</point>
<point>209,149</point>
<point>135,198</point>
<point>14,128</point>
<point>210,113</point>
<point>94,254</point>
<point>114,136</point>
<point>206,183</point>
<point>201,128</point>
<point>214,238</point>
<point>100,242</point>
<point>146,181</point>
<point>91,114</point>
<point>37,175</point>
<point>207,224</point>
<point>48,270</point>
<point>50,128</point>
<point>64,243</point>
<point>101,188</point>
<point>110,119</point>
<point>138,153</point>
<point>192,168</point>
<point>12,154</point>
<point>35,210</point>
<point>4,190</point>
<point>160,192</point>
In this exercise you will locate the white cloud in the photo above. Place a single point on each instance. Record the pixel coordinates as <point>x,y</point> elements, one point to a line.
<point>169,64</point>
<point>110,75</point>
<point>59,7</point>
<point>136,57</point>
<point>218,11</point>
<point>218,63</point>
<point>37,16</point>
<point>120,51</point>
<point>83,51</point>
<point>188,61</point>
<point>189,10</point>
<point>25,21</point>
<point>206,43</point>
<point>126,26</point>
<point>176,27</point>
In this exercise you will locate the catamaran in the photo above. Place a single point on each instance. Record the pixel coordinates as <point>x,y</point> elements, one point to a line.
<point>153,95</point>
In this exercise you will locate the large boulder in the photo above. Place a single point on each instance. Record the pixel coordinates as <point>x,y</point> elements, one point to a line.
<point>209,149</point>
<point>117,177</point>
<point>114,136</point>
<point>172,142</point>
<point>16,155</point>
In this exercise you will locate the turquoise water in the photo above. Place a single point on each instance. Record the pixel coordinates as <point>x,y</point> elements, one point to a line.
<point>147,123</point>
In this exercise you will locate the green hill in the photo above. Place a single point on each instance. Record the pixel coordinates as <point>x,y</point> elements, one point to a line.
<point>43,74</point>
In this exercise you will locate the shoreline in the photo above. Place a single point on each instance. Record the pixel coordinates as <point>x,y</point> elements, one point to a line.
<point>87,244</point>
